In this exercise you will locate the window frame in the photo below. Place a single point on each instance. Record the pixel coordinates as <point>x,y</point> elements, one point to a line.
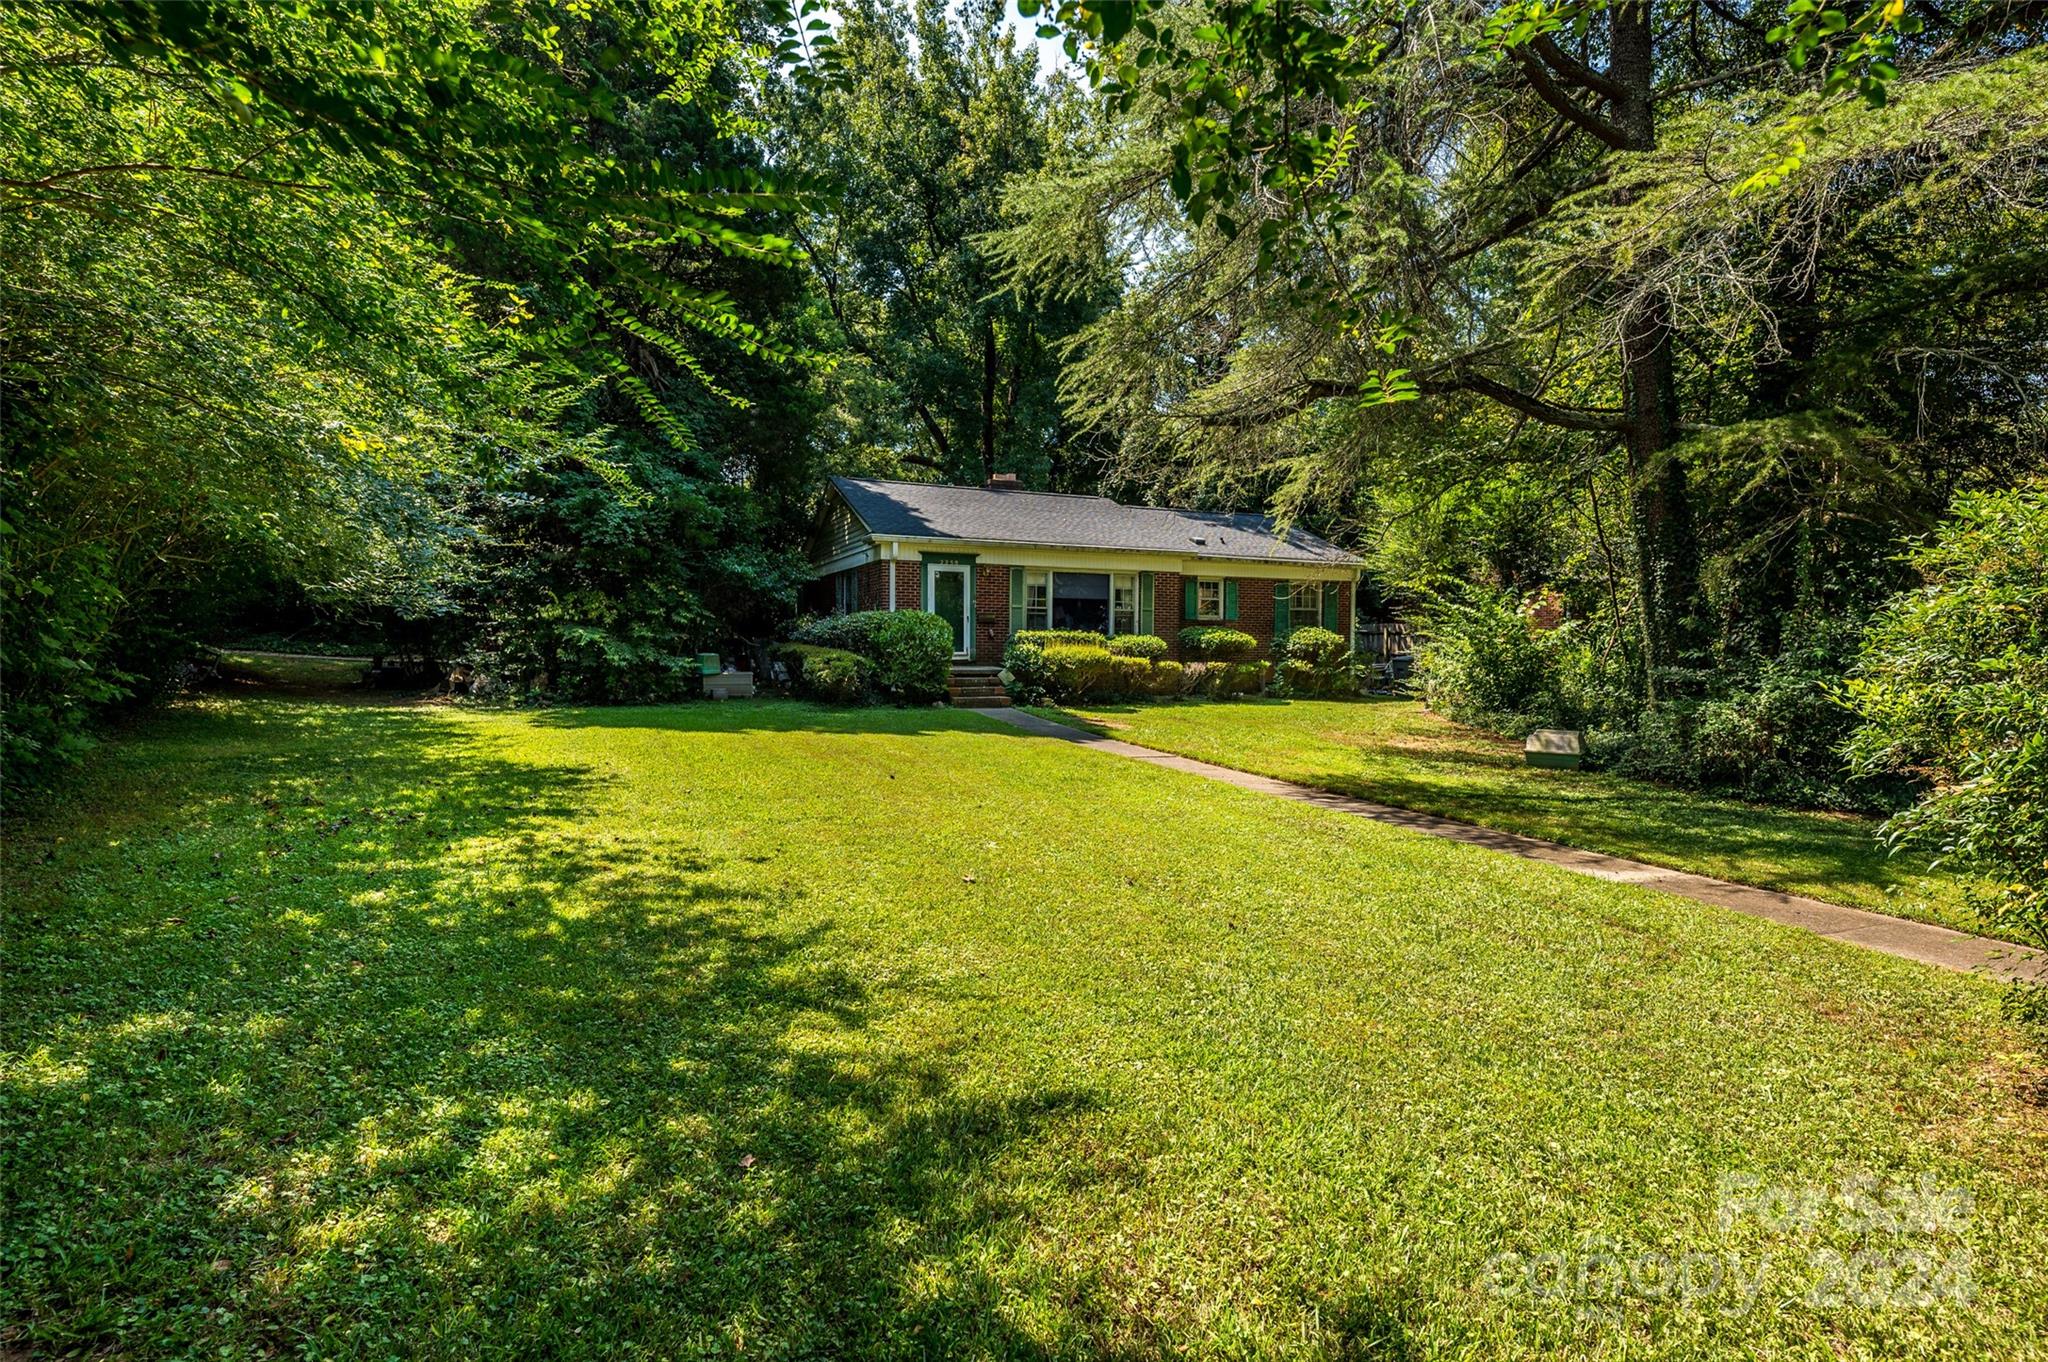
<point>1203,616</point>
<point>1123,581</point>
<point>1042,579</point>
<point>1295,613</point>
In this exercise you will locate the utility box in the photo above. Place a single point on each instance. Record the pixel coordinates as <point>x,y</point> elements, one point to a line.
<point>729,685</point>
<point>1562,749</point>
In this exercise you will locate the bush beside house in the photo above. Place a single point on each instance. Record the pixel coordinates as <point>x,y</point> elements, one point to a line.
<point>908,655</point>
<point>831,676</point>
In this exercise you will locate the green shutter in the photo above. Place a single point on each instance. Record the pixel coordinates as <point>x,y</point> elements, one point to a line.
<point>1187,604</point>
<point>1016,600</point>
<point>1144,602</point>
<point>1283,625</point>
<point>1229,598</point>
<point>1330,607</point>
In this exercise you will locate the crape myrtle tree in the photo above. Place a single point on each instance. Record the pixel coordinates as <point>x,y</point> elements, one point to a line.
<point>1750,291</point>
<point>292,289</point>
<point>934,114</point>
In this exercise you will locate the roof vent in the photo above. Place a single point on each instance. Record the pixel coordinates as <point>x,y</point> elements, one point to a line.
<point>1001,482</point>
<point>1196,539</point>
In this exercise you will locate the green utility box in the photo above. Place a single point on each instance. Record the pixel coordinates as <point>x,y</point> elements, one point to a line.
<point>1562,749</point>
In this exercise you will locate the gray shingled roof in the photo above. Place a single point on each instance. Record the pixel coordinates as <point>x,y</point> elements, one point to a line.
<point>983,515</point>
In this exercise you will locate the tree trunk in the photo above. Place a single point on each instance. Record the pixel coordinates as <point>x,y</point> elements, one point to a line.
<point>988,398</point>
<point>1667,547</point>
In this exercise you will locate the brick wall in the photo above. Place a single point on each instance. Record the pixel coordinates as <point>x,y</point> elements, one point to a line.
<point>1166,620</point>
<point>991,612</point>
<point>874,585</point>
<point>1254,611</point>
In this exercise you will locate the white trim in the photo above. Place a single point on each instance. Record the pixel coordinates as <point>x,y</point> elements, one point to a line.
<point>891,570</point>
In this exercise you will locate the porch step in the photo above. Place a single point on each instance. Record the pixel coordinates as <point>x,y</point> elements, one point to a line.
<point>976,688</point>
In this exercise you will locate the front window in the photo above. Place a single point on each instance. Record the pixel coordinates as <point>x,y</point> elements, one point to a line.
<point>1209,598</point>
<point>1123,604</point>
<point>1080,600</point>
<point>1038,600</point>
<point>1305,605</point>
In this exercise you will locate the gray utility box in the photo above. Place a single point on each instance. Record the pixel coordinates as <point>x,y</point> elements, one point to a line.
<point>1563,749</point>
<point>729,685</point>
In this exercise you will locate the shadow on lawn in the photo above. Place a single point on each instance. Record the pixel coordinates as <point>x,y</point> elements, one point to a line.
<point>435,1070</point>
<point>768,714</point>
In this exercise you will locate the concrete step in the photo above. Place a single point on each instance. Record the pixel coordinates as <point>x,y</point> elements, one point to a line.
<point>981,702</point>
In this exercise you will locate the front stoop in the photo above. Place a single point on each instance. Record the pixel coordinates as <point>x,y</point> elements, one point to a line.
<point>977,688</point>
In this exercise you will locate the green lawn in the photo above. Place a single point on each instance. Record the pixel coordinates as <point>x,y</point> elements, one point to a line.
<point>1396,752</point>
<point>760,1030</point>
<point>288,671</point>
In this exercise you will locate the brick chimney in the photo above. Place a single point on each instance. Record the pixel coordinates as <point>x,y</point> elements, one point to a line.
<point>1002,482</point>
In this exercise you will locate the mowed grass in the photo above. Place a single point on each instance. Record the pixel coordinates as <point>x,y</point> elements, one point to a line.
<point>761,1030</point>
<point>1394,751</point>
<point>288,671</point>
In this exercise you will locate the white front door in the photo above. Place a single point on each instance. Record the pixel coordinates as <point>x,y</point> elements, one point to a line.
<point>951,594</point>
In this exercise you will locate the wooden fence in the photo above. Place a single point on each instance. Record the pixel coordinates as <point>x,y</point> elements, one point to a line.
<point>1382,639</point>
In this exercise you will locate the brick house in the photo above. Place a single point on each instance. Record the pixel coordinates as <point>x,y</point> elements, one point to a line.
<point>996,559</point>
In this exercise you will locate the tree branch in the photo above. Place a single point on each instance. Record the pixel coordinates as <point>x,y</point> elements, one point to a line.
<point>1558,99</point>
<point>1514,399</point>
<point>1574,70</point>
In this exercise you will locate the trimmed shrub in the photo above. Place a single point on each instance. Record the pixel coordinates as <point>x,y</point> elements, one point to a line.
<point>1076,670</point>
<point>1207,643</point>
<point>1085,637</point>
<point>831,675</point>
<point>1167,678</point>
<point>1226,679</point>
<point>1316,646</point>
<point>913,655</point>
<point>912,650</point>
<point>1150,647</point>
<point>854,633</point>
<point>1317,662</point>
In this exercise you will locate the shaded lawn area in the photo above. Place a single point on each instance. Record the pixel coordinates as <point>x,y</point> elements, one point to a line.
<point>756,1029</point>
<point>1395,752</point>
<point>284,671</point>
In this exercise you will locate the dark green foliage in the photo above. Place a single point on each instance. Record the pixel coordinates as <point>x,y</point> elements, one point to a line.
<point>333,297</point>
<point>1209,643</point>
<point>912,649</point>
<point>913,656</point>
<point>1952,686</point>
<point>1226,680</point>
<point>1317,662</point>
<point>952,369</point>
<point>833,676</point>
<point>1480,663</point>
<point>1150,647</point>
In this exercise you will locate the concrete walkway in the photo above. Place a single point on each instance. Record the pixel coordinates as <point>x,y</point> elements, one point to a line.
<point>1920,941</point>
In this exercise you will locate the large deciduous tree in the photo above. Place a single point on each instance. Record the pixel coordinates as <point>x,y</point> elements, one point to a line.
<point>1631,243</point>
<point>934,117</point>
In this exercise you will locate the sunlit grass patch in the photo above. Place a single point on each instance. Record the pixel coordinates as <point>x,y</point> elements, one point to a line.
<point>768,1030</point>
<point>1396,752</point>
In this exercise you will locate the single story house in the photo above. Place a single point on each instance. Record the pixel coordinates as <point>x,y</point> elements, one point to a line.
<point>996,559</point>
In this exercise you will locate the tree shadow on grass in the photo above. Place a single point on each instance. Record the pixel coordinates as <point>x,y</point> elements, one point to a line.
<point>431,1063</point>
<point>769,714</point>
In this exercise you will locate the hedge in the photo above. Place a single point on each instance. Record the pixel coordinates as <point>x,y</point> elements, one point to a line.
<point>832,675</point>
<point>1148,646</point>
<point>912,650</point>
<point>1208,643</point>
